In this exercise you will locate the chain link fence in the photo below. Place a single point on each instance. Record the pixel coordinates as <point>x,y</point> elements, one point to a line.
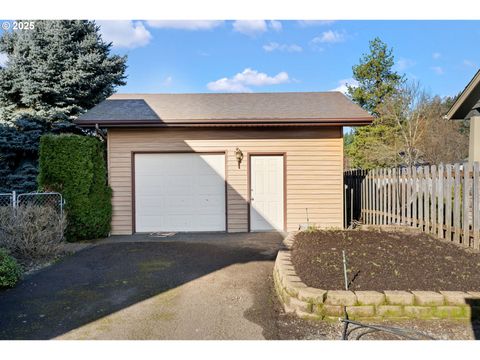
<point>6,200</point>
<point>51,199</point>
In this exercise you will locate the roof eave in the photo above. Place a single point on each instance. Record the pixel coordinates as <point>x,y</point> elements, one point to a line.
<point>457,110</point>
<point>362,121</point>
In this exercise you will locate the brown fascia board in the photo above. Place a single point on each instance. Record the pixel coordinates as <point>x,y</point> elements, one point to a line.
<point>227,123</point>
<point>458,111</point>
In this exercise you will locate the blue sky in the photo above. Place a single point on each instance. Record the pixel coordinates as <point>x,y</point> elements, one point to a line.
<point>210,56</point>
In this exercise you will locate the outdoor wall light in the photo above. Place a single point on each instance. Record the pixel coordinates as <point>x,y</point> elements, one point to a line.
<point>239,156</point>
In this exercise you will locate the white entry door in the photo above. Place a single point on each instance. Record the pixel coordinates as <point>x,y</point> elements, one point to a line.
<point>266,197</point>
<point>179,192</point>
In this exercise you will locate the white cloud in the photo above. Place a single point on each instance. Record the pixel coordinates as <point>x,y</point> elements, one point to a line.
<point>125,33</point>
<point>273,46</point>
<point>306,23</point>
<point>168,81</point>
<point>3,59</point>
<point>342,85</point>
<point>250,27</point>
<point>329,36</point>
<point>469,63</point>
<point>403,64</point>
<point>256,27</point>
<point>275,25</point>
<point>242,82</point>
<point>436,55</point>
<point>438,70</point>
<point>185,24</point>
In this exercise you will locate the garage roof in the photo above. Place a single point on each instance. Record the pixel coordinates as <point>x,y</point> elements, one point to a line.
<point>244,109</point>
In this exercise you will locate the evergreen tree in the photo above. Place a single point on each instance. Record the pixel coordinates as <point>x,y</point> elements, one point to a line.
<point>57,70</point>
<point>54,72</point>
<point>376,82</point>
<point>375,76</point>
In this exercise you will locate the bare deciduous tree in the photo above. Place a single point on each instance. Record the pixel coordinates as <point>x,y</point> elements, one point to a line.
<point>422,135</point>
<point>407,111</point>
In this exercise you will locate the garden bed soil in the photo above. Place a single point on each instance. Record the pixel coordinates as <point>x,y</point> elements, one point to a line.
<point>380,260</point>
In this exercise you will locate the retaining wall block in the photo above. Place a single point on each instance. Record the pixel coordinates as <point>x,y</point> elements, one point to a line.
<point>333,310</point>
<point>455,297</point>
<point>365,311</point>
<point>394,297</point>
<point>285,297</point>
<point>370,298</point>
<point>428,298</point>
<point>341,297</point>
<point>306,315</point>
<point>293,284</point>
<point>450,312</point>
<point>418,312</point>
<point>312,295</point>
<point>300,305</point>
<point>390,311</point>
<point>474,295</point>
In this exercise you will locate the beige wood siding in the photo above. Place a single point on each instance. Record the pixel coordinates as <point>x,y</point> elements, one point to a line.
<point>314,169</point>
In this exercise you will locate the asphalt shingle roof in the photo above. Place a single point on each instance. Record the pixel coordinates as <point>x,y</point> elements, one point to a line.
<point>175,109</point>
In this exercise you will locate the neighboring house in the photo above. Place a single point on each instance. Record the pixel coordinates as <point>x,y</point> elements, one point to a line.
<point>467,106</point>
<point>225,162</point>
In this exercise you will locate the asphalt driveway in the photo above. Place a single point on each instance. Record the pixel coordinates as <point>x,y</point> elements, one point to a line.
<point>174,286</point>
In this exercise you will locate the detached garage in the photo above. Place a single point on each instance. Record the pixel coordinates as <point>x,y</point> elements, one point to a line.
<point>225,162</point>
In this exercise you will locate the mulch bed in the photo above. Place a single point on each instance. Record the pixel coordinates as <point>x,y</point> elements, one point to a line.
<point>380,260</point>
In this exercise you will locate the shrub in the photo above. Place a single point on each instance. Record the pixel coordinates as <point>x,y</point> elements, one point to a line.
<point>32,232</point>
<point>75,166</point>
<point>10,270</point>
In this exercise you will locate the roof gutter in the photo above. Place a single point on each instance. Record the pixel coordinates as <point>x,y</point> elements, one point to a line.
<point>229,123</point>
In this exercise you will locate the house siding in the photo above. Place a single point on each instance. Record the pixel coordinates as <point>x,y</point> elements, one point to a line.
<point>314,169</point>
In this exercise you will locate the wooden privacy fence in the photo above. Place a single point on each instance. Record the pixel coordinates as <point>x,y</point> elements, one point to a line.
<point>441,200</point>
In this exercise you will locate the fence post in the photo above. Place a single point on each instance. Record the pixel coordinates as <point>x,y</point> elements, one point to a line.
<point>466,204</point>
<point>14,199</point>
<point>476,205</point>
<point>407,217</point>
<point>441,196</point>
<point>384,197</point>
<point>345,210</point>
<point>420,198</point>
<point>414,191</point>
<point>456,205</point>
<point>403,209</point>
<point>374,197</point>
<point>388,198</point>
<point>426,198</point>
<point>366,200</point>
<point>394,195</point>
<point>433,203</point>
<point>448,203</point>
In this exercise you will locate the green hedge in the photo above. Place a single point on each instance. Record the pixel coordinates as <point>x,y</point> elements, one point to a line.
<point>75,166</point>
<point>10,270</point>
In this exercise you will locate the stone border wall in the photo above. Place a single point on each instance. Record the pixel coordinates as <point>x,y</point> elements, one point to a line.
<point>307,302</point>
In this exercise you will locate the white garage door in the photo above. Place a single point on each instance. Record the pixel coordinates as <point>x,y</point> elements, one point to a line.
<point>179,192</point>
